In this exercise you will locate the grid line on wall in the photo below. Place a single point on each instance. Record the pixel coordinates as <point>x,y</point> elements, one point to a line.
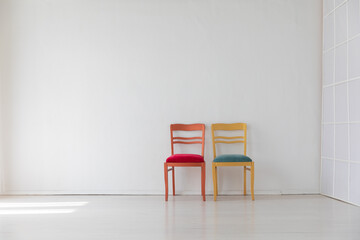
<point>335,8</point>
<point>341,82</point>
<point>352,122</point>
<point>340,160</point>
<point>341,43</point>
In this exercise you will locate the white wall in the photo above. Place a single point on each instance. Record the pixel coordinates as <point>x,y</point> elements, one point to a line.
<point>1,77</point>
<point>341,102</point>
<point>93,86</point>
<point>3,60</point>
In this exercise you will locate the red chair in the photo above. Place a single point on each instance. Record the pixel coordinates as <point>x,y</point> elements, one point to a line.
<point>185,160</point>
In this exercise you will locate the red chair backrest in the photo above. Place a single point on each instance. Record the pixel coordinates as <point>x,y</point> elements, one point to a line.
<point>188,140</point>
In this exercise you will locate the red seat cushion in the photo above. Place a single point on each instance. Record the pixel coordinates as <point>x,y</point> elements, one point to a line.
<point>185,158</point>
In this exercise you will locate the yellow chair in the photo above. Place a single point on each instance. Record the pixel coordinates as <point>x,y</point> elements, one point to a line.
<point>227,160</point>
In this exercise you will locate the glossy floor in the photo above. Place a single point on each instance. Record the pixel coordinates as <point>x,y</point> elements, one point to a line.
<point>183,217</point>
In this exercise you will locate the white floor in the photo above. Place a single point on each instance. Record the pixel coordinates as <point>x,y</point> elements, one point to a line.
<point>183,217</point>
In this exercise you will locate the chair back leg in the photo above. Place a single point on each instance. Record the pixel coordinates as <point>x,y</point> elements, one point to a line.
<point>166,181</point>
<point>252,180</point>
<point>244,181</point>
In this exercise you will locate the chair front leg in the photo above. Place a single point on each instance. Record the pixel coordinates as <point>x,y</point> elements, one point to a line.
<point>203,181</point>
<point>166,181</point>
<point>214,172</point>
<point>173,180</point>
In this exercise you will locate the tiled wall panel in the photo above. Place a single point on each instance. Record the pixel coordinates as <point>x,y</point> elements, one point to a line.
<point>354,189</point>
<point>340,171</point>
<point>327,168</point>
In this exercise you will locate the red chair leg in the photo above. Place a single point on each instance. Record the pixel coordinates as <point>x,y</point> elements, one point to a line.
<point>203,181</point>
<point>173,180</point>
<point>166,181</point>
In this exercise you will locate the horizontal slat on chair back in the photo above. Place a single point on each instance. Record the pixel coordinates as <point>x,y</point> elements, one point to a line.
<point>182,142</point>
<point>187,138</point>
<point>228,126</point>
<point>228,139</point>
<point>187,127</point>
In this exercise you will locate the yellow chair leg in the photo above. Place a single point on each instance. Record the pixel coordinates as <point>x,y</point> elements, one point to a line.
<point>214,180</point>
<point>252,181</point>
<point>244,181</point>
<point>217,186</point>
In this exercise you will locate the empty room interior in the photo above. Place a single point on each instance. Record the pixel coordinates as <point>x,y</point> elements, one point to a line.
<point>180,119</point>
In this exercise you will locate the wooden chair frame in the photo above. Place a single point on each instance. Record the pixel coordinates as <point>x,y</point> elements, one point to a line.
<point>248,166</point>
<point>185,140</point>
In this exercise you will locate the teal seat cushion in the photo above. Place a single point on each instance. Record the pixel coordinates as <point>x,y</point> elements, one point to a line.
<point>232,158</point>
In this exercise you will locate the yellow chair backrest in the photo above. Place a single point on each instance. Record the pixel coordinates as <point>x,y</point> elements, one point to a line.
<point>225,139</point>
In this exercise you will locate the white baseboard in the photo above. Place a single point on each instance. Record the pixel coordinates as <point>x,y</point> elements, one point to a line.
<point>137,192</point>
